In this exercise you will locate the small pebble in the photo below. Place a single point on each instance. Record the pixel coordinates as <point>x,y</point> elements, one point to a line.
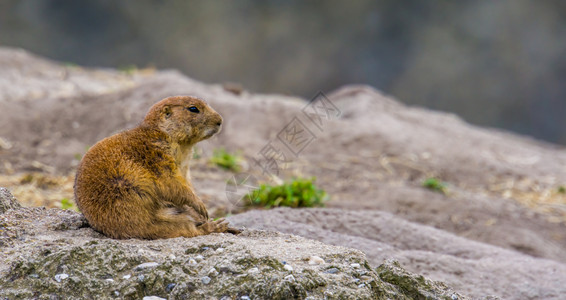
<point>61,276</point>
<point>34,275</point>
<point>117,293</point>
<point>224,269</point>
<point>147,265</point>
<point>220,250</point>
<point>109,280</point>
<point>199,257</point>
<point>153,298</point>
<point>170,287</point>
<point>192,262</point>
<point>288,267</point>
<point>206,280</point>
<point>253,270</point>
<point>355,265</point>
<point>141,278</point>
<point>315,260</point>
<point>361,286</point>
<point>454,297</point>
<point>289,278</point>
<point>245,298</point>
<point>205,248</point>
<point>172,256</point>
<point>212,272</point>
<point>332,271</point>
<point>126,276</point>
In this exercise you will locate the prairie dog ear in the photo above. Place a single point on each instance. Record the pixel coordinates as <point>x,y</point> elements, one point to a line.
<point>167,111</point>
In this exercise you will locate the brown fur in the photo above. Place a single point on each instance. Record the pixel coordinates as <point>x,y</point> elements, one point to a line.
<point>135,184</point>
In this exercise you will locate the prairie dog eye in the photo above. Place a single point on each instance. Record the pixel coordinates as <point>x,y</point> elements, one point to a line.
<point>193,109</point>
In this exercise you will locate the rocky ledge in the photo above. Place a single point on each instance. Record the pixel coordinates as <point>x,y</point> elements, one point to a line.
<point>53,254</point>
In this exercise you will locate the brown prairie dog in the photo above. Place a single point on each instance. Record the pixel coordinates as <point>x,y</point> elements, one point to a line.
<point>134,184</point>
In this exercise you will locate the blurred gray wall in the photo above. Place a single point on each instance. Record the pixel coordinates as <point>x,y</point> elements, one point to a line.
<point>495,63</point>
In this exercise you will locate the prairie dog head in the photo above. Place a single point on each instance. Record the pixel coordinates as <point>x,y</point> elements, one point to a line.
<point>187,120</point>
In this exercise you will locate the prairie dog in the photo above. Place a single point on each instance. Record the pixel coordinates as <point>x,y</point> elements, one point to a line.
<point>134,184</point>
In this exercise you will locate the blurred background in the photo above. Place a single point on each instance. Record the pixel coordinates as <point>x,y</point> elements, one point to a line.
<point>494,63</point>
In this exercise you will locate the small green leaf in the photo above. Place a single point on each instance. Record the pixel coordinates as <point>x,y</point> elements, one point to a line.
<point>226,160</point>
<point>435,185</point>
<point>66,204</point>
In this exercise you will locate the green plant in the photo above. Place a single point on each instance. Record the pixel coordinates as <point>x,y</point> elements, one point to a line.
<point>300,192</point>
<point>67,204</point>
<point>435,185</point>
<point>562,189</point>
<point>226,160</point>
<point>128,69</point>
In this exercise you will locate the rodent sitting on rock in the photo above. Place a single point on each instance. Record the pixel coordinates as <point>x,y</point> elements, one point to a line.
<point>135,184</point>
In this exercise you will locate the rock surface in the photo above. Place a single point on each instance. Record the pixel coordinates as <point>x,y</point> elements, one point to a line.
<point>47,79</point>
<point>7,201</point>
<point>52,253</point>
<point>504,203</point>
<point>479,270</point>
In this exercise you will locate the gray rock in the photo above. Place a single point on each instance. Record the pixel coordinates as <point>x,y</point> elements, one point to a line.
<point>289,278</point>
<point>170,287</point>
<point>153,298</point>
<point>60,277</point>
<point>206,280</point>
<point>145,266</point>
<point>7,201</point>
<point>479,270</point>
<point>250,264</point>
